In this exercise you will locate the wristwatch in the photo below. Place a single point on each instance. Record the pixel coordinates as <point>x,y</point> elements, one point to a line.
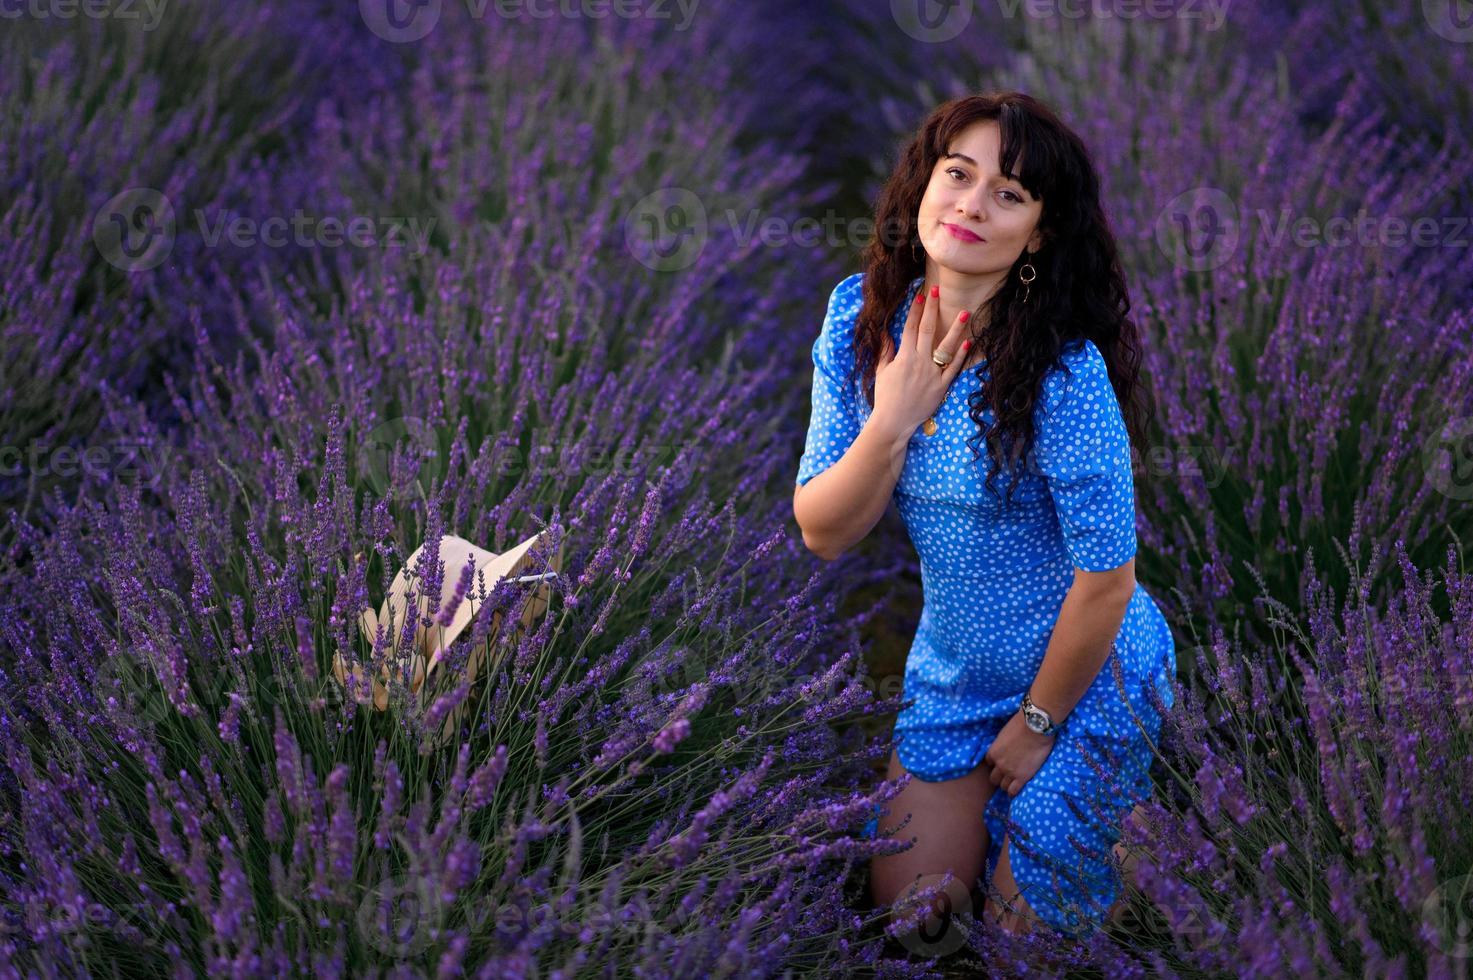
<point>1037,719</point>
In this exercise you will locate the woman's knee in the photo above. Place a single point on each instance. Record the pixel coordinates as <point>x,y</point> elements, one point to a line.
<point>944,823</point>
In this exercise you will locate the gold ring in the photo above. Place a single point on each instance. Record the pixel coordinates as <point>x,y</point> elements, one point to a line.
<point>941,357</point>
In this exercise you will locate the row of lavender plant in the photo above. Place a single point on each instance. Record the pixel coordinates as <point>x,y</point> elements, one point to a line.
<point>1339,380</point>
<point>1336,363</point>
<point>1307,820</point>
<point>1319,832</point>
<point>251,451</point>
<point>140,141</point>
<point>656,774</point>
<point>1410,59</point>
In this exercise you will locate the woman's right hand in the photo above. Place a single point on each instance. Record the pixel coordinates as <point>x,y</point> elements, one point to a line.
<point>909,385</point>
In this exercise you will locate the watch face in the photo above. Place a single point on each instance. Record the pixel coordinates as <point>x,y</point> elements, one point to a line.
<point>1034,722</point>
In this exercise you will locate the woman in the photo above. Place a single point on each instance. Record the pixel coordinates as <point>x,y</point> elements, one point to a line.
<point>999,314</point>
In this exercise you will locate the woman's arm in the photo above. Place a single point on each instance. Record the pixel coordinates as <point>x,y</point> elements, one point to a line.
<point>1088,623</point>
<point>854,465</point>
<point>839,506</point>
<point>1083,450</point>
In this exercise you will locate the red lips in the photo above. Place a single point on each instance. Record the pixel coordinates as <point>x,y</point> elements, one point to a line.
<point>962,234</point>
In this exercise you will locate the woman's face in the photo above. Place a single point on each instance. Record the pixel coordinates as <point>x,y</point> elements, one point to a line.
<point>969,194</point>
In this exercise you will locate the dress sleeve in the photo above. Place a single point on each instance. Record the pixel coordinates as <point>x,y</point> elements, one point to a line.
<point>834,422</point>
<point>1083,451</point>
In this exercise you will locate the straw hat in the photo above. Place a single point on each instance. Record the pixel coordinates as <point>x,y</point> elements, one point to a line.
<point>430,644</point>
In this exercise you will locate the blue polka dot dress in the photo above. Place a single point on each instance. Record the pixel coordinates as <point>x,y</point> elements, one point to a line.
<point>993,582</point>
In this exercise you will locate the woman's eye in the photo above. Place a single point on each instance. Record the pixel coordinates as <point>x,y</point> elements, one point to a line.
<point>958,174</point>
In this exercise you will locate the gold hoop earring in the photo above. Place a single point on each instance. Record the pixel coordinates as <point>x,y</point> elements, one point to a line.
<point>1026,275</point>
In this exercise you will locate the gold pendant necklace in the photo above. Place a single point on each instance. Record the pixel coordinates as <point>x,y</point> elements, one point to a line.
<point>929,426</point>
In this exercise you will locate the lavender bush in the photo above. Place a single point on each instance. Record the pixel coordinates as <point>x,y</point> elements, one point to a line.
<point>234,784</point>
<point>1408,60</point>
<point>1333,365</point>
<point>1337,373</point>
<point>1316,830</point>
<point>667,771</point>
<point>133,140</point>
<point>672,708</point>
<point>1306,821</point>
<point>1410,57</point>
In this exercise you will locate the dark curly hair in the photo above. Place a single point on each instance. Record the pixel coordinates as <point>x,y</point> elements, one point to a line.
<point>1079,291</point>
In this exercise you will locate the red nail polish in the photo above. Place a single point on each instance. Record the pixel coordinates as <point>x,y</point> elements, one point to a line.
<point>966,345</point>
<point>935,291</point>
<point>965,314</point>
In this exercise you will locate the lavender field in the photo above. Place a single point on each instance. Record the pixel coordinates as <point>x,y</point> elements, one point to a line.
<point>300,297</point>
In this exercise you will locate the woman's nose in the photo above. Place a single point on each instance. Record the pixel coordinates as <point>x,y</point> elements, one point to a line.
<point>973,206</point>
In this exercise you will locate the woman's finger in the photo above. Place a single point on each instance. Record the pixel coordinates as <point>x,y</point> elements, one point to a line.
<point>952,344</point>
<point>912,320</point>
<point>926,338</point>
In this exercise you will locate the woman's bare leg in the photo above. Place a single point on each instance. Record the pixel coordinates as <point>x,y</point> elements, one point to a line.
<point>949,835</point>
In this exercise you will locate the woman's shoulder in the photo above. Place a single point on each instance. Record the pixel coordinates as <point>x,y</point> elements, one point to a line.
<point>847,297</point>
<point>1082,373</point>
<point>845,302</point>
<point>843,310</point>
<point>1081,354</point>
